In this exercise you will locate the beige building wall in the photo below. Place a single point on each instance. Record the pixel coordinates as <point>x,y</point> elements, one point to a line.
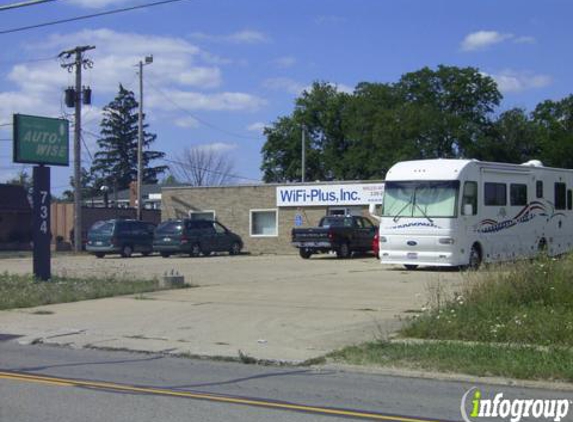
<point>233,206</point>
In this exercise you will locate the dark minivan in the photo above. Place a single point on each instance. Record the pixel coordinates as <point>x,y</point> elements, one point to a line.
<point>195,237</point>
<point>120,236</point>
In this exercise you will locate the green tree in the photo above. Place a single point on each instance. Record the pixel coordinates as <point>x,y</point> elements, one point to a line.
<point>449,109</point>
<point>90,187</point>
<point>554,120</point>
<point>115,164</point>
<point>320,111</point>
<point>427,114</point>
<point>513,138</point>
<point>22,178</point>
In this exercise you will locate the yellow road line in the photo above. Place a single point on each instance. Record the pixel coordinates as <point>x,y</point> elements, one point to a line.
<point>66,382</point>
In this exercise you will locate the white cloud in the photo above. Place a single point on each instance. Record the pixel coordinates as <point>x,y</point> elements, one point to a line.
<point>284,84</point>
<point>222,101</point>
<point>206,77</point>
<point>178,70</point>
<point>483,39</point>
<point>220,147</point>
<point>329,19</point>
<point>284,62</point>
<point>246,36</point>
<point>293,87</point>
<point>524,40</point>
<point>186,122</point>
<point>256,127</point>
<point>343,88</point>
<point>98,4</point>
<point>510,81</point>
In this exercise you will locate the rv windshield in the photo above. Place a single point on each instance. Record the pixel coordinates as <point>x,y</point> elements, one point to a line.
<point>427,199</point>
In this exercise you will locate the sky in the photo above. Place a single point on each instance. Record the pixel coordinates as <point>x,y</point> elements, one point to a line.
<point>223,69</point>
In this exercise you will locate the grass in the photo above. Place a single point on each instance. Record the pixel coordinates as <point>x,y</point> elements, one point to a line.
<point>523,303</point>
<point>514,320</point>
<point>18,291</point>
<point>523,362</point>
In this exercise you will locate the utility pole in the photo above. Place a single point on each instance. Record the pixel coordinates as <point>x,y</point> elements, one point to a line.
<point>148,60</point>
<point>77,64</point>
<point>303,154</point>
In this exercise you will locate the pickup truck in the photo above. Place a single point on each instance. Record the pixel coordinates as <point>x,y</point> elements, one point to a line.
<point>342,235</point>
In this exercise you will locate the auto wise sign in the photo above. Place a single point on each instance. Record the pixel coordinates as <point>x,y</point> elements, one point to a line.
<point>347,194</point>
<point>41,140</point>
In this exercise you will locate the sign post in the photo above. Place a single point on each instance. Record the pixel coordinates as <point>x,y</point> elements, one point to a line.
<point>42,141</point>
<point>41,222</point>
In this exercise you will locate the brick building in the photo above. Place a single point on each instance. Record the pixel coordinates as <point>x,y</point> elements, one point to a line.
<point>263,215</point>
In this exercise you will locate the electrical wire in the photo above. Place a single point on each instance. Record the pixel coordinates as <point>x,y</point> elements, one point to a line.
<point>16,62</point>
<point>92,15</point>
<point>204,122</point>
<point>24,4</point>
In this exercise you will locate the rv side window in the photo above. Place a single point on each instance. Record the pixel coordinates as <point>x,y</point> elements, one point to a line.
<point>495,194</point>
<point>560,196</point>
<point>539,189</point>
<point>470,197</point>
<point>518,194</point>
<point>569,199</point>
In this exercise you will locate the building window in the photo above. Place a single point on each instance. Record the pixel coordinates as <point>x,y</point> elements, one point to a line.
<point>560,196</point>
<point>264,222</point>
<point>518,194</point>
<point>202,215</point>
<point>539,189</point>
<point>495,194</point>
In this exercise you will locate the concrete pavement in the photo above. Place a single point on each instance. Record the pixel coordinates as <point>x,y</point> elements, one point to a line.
<point>268,307</point>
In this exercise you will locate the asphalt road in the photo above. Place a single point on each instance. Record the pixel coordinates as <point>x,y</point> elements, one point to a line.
<point>59,384</point>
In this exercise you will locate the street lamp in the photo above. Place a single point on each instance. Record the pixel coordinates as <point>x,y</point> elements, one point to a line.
<point>148,60</point>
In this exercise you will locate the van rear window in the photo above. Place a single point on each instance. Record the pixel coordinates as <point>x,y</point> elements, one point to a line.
<point>102,228</point>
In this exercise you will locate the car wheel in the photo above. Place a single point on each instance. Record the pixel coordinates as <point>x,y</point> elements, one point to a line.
<point>235,248</point>
<point>99,255</point>
<point>145,253</point>
<point>304,253</point>
<point>195,250</point>
<point>475,258</point>
<point>410,267</point>
<point>165,254</point>
<point>343,251</point>
<point>126,251</point>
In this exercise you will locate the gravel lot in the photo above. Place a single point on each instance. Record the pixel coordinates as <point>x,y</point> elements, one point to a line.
<point>269,307</point>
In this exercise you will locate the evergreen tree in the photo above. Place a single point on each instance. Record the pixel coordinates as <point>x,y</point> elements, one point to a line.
<point>115,164</point>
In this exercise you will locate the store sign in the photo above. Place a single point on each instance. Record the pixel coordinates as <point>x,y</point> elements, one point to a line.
<point>41,140</point>
<point>350,194</point>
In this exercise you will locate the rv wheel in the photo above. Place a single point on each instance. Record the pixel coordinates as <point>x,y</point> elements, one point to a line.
<point>410,267</point>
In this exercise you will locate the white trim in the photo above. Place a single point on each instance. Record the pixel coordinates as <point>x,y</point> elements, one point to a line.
<point>275,210</point>
<point>189,213</point>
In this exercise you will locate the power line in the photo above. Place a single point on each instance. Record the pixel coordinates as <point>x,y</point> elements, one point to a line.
<point>24,4</point>
<point>187,165</point>
<point>92,15</point>
<point>14,62</point>
<point>204,122</point>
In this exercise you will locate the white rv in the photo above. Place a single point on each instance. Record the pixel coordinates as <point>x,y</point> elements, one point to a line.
<point>464,212</point>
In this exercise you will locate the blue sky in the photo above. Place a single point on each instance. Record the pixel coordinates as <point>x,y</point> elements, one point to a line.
<point>223,69</point>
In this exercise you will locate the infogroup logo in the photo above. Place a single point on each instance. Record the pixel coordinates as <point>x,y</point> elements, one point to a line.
<point>513,410</point>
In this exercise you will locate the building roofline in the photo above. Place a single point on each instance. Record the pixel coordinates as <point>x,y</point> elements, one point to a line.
<point>253,185</point>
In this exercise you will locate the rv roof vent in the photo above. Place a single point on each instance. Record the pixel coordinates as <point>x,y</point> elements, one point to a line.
<point>533,163</point>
